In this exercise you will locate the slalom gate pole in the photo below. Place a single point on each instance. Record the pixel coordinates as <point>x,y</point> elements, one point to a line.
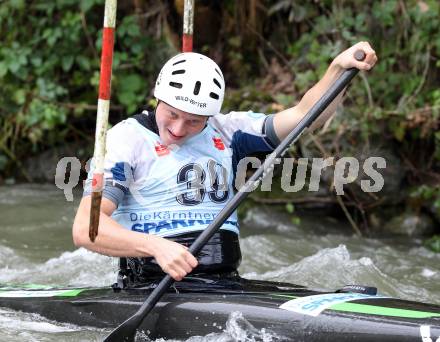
<point>108,37</point>
<point>188,26</point>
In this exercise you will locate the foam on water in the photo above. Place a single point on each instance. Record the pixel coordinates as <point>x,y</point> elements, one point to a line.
<point>77,268</point>
<point>8,258</point>
<point>428,273</point>
<point>31,322</point>
<point>32,327</point>
<point>332,268</point>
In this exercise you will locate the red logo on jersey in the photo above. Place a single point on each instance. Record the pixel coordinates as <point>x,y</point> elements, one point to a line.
<point>161,150</point>
<point>218,143</point>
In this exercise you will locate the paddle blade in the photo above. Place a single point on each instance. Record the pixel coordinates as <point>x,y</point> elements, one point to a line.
<point>125,332</point>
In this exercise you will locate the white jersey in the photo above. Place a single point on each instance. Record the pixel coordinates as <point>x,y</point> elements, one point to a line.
<point>170,191</point>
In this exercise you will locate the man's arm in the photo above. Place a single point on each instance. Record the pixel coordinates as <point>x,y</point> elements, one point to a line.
<point>288,119</point>
<point>114,240</point>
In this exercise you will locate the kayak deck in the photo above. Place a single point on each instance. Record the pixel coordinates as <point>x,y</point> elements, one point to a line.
<point>199,306</point>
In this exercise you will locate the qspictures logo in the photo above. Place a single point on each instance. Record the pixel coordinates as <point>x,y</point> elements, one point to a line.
<point>202,178</point>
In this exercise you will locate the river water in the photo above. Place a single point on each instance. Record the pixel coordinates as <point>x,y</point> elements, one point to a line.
<point>36,247</point>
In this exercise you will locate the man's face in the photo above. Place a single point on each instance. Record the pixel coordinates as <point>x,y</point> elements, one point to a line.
<point>176,126</point>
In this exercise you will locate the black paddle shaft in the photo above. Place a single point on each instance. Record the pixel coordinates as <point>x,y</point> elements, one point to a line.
<point>127,330</point>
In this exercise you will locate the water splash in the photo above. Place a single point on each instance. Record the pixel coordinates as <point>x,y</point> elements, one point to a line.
<point>32,327</point>
<point>8,258</point>
<point>333,268</point>
<point>77,268</point>
<point>237,329</point>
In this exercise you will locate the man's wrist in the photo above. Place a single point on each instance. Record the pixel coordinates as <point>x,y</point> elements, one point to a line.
<point>335,69</point>
<point>149,245</point>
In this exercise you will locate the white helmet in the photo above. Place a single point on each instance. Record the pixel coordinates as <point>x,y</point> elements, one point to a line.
<point>191,82</point>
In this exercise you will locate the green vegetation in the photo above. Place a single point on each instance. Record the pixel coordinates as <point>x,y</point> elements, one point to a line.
<point>49,72</point>
<point>271,51</point>
<point>433,243</point>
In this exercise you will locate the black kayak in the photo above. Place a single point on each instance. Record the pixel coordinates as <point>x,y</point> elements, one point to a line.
<point>200,306</point>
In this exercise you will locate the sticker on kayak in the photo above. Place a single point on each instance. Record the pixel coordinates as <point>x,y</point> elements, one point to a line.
<point>39,293</point>
<point>314,305</point>
<point>425,333</point>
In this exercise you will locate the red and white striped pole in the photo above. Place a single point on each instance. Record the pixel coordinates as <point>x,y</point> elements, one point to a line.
<point>188,24</point>
<point>108,38</point>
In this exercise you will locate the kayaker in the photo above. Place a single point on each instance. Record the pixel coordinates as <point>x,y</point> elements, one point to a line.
<point>169,172</point>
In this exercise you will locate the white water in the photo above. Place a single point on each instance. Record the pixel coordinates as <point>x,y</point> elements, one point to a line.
<point>36,247</point>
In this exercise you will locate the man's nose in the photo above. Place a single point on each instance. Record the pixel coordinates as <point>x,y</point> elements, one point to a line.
<point>179,128</point>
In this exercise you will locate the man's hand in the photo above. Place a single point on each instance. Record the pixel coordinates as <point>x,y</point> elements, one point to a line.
<point>172,257</point>
<point>346,58</point>
<point>286,120</point>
